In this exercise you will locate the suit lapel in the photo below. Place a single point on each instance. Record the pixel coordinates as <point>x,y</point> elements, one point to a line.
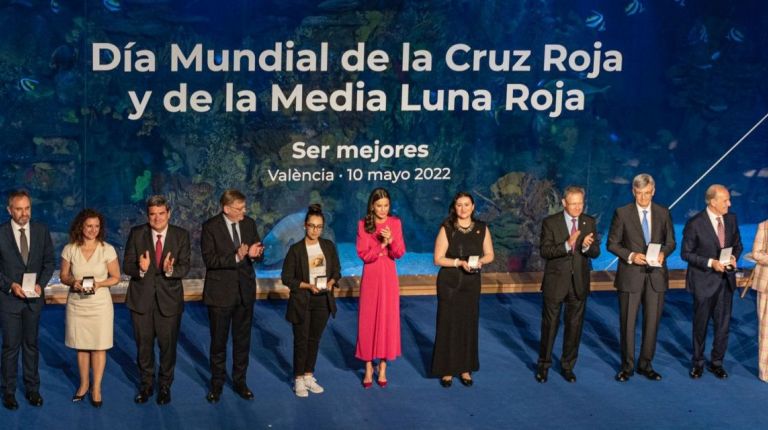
<point>637,222</point>
<point>225,228</point>
<point>304,260</point>
<point>12,241</point>
<point>656,229</point>
<point>563,230</point>
<point>707,226</point>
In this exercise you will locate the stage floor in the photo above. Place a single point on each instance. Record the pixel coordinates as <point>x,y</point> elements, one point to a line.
<point>505,394</point>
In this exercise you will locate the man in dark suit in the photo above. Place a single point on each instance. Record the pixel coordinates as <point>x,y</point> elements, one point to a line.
<point>25,247</point>
<point>567,243</point>
<point>639,281</point>
<point>710,281</point>
<point>157,257</point>
<point>230,245</point>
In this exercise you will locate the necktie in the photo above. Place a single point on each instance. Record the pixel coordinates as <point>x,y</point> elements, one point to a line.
<point>646,228</point>
<point>574,228</point>
<point>23,245</point>
<point>159,250</point>
<point>721,232</point>
<point>235,236</point>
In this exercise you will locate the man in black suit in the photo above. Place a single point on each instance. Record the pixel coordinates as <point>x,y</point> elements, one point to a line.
<point>25,247</point>
<point>639,281</point>
<point>230,245</point>
<point>710,281</point>
<point>567,243</point>
<point>157,257</point>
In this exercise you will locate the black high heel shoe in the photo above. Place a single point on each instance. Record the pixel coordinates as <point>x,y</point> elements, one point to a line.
<point>76,398</point>
<point>96,404</point>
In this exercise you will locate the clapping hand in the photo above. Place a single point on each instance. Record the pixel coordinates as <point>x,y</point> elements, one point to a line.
<point>572,238</point>
<point>144,261</point>
<point>242,251</point>
<point>256,250</point>
<point>168,263</point>
<point>588,240</point>
<point>386,235</point>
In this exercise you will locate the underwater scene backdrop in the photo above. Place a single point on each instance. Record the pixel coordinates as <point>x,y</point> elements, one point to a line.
<point>665,87</point>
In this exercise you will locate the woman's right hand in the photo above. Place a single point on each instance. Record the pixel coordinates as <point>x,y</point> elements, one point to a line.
<point>77,286</point>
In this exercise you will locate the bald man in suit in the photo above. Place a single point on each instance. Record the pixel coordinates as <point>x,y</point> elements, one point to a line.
<point>711,282</point>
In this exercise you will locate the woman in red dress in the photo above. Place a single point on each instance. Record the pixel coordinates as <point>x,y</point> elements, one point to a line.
<point>379,244</point>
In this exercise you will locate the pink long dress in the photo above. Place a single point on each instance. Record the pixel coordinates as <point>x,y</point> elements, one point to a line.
<point>378,323</point>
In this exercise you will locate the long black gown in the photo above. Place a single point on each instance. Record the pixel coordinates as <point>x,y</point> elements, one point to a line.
<point>458,306</point>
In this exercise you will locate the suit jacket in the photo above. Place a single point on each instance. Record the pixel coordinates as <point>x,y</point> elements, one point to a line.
<point>626,237</point>
<point>41,260</point>
<point>700,243</point>
<point>155,286</point>
<point>296,270</point>
<point>227,282</point>
<point>760,254</point>
<point>562,265</point>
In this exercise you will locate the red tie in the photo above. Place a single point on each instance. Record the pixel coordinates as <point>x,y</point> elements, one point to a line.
<point>159,250</point>
<point>573,227</point>
<point>721,232</point>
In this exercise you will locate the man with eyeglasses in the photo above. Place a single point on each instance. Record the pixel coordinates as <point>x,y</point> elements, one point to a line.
<point>230,245</point>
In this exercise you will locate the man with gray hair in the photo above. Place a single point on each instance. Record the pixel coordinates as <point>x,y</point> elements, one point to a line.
<point>157,257</point>
<point>642,236</point>
<point>710,280</point>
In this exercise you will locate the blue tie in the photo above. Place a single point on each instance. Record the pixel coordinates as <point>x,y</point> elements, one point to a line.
<point>646,228</point>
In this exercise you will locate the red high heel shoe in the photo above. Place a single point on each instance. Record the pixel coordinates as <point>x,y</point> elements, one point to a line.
<point>381,383</point>
<point>367,385</point>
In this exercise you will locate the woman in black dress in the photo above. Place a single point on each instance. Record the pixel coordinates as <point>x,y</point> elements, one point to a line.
<point>311,270</point>
<point>462,246</point>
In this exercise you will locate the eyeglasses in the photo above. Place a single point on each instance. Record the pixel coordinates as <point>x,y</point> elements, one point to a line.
<point>314,226</point>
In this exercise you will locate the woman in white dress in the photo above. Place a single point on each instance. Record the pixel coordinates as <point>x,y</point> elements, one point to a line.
<point>89,315</point>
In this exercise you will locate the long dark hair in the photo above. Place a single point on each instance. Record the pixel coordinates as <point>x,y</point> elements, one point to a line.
<point>452,218</point>
<point>314,210</point>
<point>76,228</point>
<point>376,195</point>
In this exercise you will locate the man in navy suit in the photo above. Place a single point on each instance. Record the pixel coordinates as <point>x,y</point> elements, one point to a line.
<point>711,282</point>
<point>25,247</point>
<point>157,257</point>
<point>230,246</point>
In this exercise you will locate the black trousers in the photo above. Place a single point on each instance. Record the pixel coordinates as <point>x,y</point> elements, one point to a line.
<point>146,328</point>
<point>550,321</point>
<point>629,305</point>
<point>20,328</point>
<point>306,336</point>
<point>718,308</point>
<point>221,318</point>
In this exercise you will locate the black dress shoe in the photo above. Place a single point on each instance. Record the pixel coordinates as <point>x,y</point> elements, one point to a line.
<point>446,383</point>
<point>34,399</point>
<point>541,375</point>
<point>213,396</point>
<point>569,376</point>
<point>718,371</point>
<point>9,402</point>
<point>144,395</point>
<point>650,374</point>
<point>467,382</point>
<point>164,396</point>
<point>623,376</point>
<point>696,372</point>
<point>244,392</point>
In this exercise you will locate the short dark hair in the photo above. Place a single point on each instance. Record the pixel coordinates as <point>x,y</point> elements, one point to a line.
<point>15,194</point>
<point>230,196</point>
<point>76,228</point>
<point>158,200</point>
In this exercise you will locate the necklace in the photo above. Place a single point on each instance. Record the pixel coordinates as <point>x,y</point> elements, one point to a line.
<point>466,229</point>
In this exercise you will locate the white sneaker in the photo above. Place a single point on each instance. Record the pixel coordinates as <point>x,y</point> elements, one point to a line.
<point>311,384</point>
<point>300,388</point>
